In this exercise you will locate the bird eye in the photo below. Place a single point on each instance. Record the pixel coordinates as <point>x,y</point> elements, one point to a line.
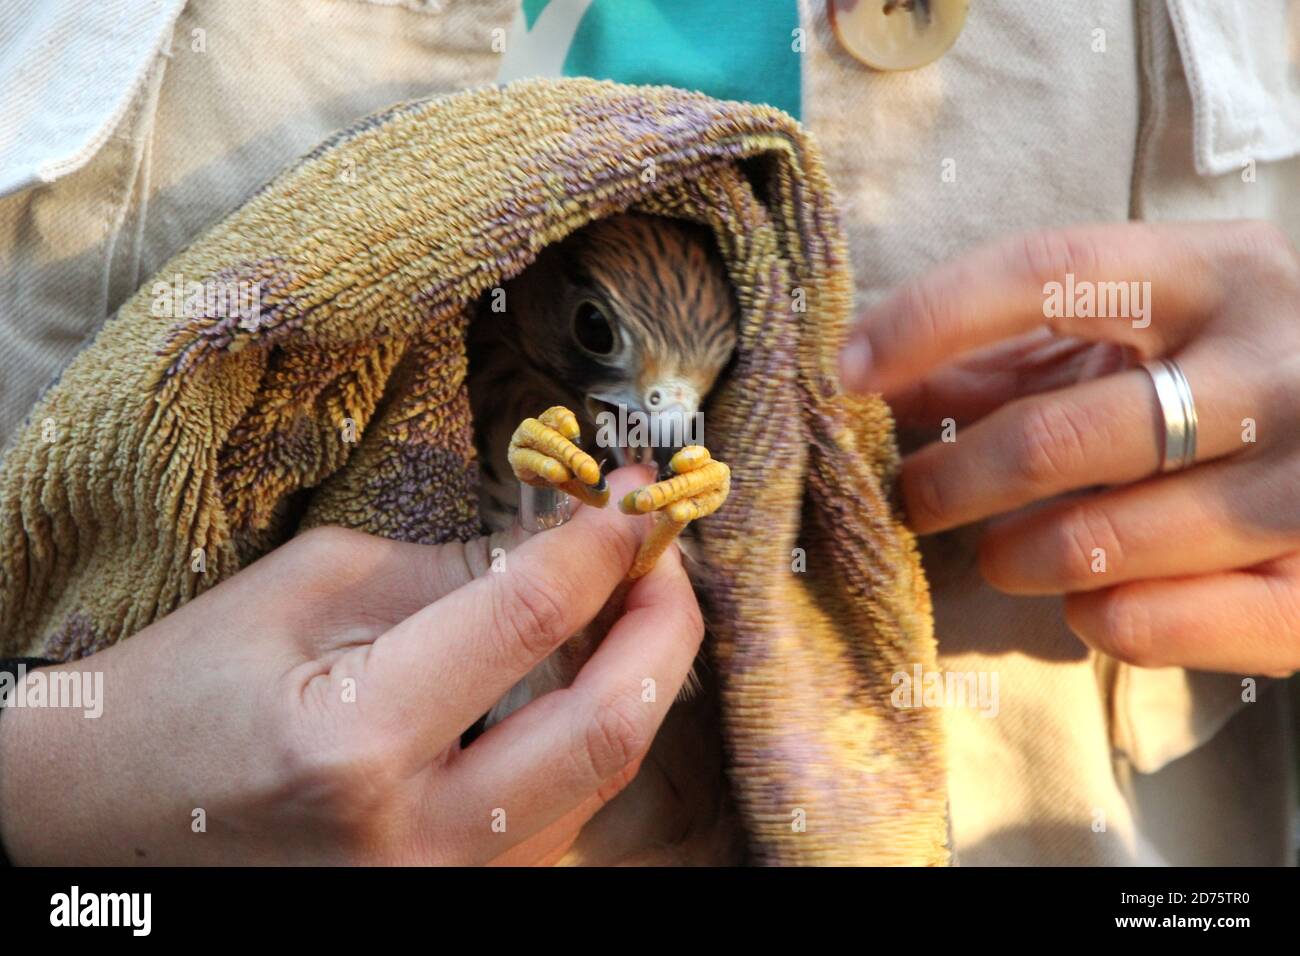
<point>593,330</point>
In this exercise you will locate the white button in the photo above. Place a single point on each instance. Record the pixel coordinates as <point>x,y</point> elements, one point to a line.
<point>897,34</point>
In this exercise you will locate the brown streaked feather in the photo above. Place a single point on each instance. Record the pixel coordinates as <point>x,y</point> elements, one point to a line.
<point>665,279</point>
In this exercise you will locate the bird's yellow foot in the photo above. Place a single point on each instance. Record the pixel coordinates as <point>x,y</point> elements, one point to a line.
<point>544,453</point>
<point>697,487</point>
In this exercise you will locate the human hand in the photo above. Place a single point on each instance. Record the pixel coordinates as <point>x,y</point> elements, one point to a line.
<point>1061,434</point>
<point>312,707</point>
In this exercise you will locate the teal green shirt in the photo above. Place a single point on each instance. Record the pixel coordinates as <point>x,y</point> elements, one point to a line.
<point>730,49</point>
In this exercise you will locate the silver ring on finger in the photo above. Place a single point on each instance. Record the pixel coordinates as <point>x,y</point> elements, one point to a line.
<point>1178,410</point>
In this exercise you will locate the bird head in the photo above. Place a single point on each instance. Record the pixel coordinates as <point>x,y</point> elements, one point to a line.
<point>634,314</point>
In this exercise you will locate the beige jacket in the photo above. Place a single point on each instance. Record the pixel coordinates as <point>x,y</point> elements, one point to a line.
<point>155,119</point>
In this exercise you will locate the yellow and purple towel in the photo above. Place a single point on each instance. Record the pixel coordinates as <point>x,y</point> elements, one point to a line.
<point>196,433</point>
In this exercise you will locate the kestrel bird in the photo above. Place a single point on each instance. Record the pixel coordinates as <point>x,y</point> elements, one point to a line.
<point>630,320</point>
<point>632,317</point>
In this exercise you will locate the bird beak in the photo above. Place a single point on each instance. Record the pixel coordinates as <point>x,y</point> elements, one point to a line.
<point>648,431</point>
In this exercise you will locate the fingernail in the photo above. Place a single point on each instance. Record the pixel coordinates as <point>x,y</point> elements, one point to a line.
<point>855,364</point>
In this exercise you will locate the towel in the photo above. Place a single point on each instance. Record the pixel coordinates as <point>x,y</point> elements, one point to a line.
<point>303,363</point>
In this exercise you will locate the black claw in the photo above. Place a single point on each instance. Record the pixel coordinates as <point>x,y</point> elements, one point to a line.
<point>663,456</point>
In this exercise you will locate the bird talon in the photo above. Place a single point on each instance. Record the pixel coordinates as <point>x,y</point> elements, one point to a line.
<point>698,485</point>
<point>544,453</point>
